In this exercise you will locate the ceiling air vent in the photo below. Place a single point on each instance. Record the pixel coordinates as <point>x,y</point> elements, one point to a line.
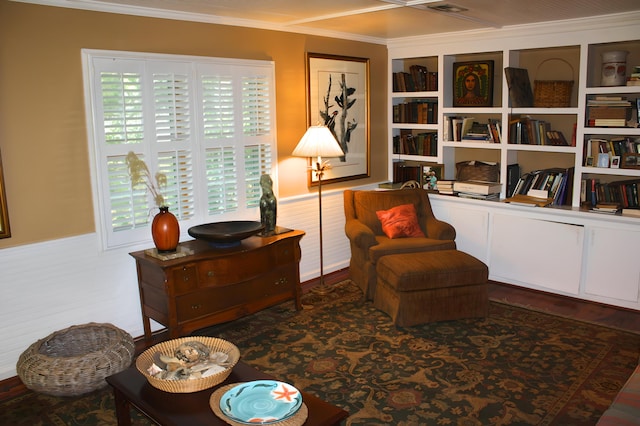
<point>447,8</point>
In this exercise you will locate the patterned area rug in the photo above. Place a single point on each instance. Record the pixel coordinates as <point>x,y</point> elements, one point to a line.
<point>517,367</point>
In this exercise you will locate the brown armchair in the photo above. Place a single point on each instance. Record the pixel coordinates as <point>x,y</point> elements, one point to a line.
<point>368,242</point>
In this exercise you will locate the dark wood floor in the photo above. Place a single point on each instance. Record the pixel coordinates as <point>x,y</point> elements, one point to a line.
<point>611,316</point>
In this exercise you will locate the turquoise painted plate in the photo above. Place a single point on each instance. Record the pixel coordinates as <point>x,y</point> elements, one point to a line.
<point>261,402</point>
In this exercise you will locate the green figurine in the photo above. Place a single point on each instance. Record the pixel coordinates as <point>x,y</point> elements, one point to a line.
<point>268,205</point>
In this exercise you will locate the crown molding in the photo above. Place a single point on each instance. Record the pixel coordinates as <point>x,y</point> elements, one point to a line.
<point>611,22</point>
<point>614,23</point>
<point>97,6</point>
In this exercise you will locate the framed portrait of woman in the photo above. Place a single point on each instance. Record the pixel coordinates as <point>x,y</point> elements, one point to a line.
<point>473,84</point>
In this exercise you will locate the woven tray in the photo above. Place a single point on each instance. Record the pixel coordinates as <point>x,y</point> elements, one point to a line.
<point>168,348</point>
<point>297,419</point>
<point>75,360</point>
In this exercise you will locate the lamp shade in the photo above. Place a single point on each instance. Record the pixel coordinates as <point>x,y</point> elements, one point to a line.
<point>318,141</point>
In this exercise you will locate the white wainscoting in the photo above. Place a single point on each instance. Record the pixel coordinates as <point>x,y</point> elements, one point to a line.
<point>53,285</point>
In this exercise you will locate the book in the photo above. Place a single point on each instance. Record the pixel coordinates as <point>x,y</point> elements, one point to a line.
<point>479,187</point>
<point>528,201</point>
<point>631,212</point>
<point>513,176</point>
<point>609,208</point>
<point>478,196</point>
<point>519,85</point>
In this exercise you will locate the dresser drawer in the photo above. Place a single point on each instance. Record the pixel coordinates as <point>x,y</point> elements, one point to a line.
<point>288,251</point>
<point>233,269</point>
<point>281,281</point>
<point>185,279</point>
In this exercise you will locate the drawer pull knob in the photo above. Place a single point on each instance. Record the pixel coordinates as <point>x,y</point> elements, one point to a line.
<point>281,281</point>
<point>194,307</point>
<point>210,273</point>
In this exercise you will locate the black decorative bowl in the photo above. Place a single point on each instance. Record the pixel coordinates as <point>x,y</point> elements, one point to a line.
<point>226,234</point>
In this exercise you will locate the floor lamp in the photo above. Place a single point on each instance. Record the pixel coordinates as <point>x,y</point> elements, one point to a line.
<point>318,142</point>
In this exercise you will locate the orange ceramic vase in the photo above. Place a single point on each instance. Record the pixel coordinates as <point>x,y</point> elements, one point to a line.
<point>165,231</point>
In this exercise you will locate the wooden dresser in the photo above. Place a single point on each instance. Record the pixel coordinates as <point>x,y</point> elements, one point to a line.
<point>215,285</point>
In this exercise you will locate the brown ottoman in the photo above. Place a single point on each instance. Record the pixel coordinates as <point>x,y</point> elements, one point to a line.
<point>416,288</point>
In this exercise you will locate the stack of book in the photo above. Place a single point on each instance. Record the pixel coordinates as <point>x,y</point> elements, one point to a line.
<point>418,79</point>
<point>529,131</point>
<point>425,143</point>
<point>419,111</point>
<point>608,111</point>
<point>606,208</point>
<point>556,182</point>
<point>445,187</point>
<point>529,200</point>
<point>468,130</point>
<point>623,192</point>
<point>477,189</point>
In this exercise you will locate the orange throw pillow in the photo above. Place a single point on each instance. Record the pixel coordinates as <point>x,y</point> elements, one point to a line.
<point>400,221</point>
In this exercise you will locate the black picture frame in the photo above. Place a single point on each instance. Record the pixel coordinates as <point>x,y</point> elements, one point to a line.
<point>327,76</point>
<point>473,84</point>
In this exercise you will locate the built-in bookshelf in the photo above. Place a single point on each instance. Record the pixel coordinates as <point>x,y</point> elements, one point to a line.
<point>531,136</point>
<point>566,248</point>
<point>415,110</point>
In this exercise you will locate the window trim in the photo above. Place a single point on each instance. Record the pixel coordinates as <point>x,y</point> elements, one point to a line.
<point>98,181</point>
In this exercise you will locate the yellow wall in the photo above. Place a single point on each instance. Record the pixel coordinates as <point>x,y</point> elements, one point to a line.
<point>43,134</point>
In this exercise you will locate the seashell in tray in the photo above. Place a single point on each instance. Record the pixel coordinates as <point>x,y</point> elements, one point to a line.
<point>192,352</point>
<point>165,371</point>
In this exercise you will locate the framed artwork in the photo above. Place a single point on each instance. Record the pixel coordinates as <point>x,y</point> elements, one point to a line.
<point>431,174</point>
<point>630,161</point>
<point>338,96</point>
<point>473,84</point>
<point>615,162</point>
<point>5,231</point>
<point>603,160</point>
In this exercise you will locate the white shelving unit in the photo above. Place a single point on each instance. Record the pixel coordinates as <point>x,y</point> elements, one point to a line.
<point>593,242</point>
<point>580,48</point>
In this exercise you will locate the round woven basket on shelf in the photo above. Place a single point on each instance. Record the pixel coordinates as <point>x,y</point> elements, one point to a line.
<point>145,360</point>
<point>75,360</point>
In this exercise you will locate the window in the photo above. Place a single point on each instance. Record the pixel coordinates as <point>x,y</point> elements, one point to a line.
<point>208,124</point>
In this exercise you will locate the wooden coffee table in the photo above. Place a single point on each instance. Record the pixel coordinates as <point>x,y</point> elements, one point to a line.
<point>192,409</point>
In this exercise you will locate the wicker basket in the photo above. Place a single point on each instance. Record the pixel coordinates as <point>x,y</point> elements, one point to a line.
<point>477,170</point>
<point>168,348</point>
<point>75,360</point>
<point>552,93</point>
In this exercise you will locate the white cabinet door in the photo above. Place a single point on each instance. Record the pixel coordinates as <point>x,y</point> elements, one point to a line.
<point>536,253</point>
<point>472,227</point>
<point>612,269</point>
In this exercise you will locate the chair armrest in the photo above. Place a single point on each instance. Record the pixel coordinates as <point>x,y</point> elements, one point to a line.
<point>440,230</point>
<point>359,234</point>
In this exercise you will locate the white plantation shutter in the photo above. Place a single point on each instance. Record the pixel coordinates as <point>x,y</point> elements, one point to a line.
<point>217,107</point>
<point>222,182</point>
<point>122,107</point>
<point>257,161</point>
<point>207,124</point>
<point>172,109</point>
<point>256,106</point>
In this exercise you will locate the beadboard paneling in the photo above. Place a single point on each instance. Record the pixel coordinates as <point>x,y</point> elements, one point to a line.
<point>53,285</point>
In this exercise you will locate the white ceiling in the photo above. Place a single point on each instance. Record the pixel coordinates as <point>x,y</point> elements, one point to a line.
<point>371,20</point>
